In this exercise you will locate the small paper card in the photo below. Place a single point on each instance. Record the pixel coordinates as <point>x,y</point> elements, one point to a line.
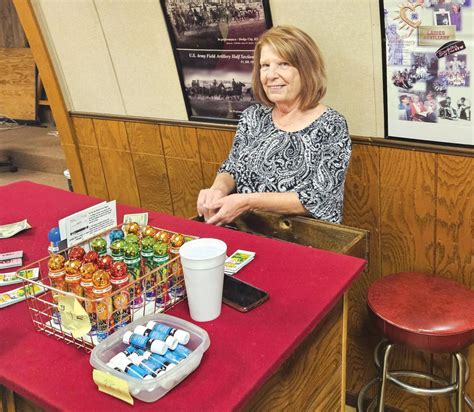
<point>88,222</point>
<point>237,261</point>
<point>112,385</point>
<point>10,278</point>
<point>73,316</point>
<point>19,294</point>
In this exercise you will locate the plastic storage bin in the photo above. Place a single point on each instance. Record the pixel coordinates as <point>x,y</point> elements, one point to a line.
<point>153,389</point>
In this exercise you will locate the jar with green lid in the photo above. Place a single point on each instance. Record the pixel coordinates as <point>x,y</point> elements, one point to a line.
<point>132,260</point>
<point>117,249</point>
<point>160,261</point>
<point>147,266</point>
<point>99,245</point>
<point>177,279</point>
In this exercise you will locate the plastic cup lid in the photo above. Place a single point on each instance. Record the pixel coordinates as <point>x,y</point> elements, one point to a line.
<point>203,249</point>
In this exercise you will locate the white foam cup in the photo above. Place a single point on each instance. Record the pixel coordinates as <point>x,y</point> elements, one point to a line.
<point>203,267</point>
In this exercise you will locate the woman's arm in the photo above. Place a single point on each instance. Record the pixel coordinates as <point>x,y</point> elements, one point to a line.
<point>223,184</point>
<point>230,207</point>
<point>225,181</point>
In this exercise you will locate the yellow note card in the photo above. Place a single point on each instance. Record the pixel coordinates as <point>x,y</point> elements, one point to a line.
<point>112,385</point>
<point>73,316</point>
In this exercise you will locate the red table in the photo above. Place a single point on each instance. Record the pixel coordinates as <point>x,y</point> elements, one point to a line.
<point>246,349</point>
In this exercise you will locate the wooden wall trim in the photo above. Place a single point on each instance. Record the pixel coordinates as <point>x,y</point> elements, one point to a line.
<point>52,87</point>
<point>373,141</point>
<point>138,119</point>
<point>415,146</point>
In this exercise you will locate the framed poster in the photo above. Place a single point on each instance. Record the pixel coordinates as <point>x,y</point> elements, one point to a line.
<point>213,42</point>
<point>428,59</point>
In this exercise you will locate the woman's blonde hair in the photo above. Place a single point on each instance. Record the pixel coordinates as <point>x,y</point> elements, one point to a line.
<point>300,51</point>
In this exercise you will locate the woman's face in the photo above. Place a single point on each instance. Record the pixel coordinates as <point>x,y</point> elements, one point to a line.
<point>281,81</point>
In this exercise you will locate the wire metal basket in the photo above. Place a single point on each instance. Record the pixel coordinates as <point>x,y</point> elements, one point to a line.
<point>153,291</point>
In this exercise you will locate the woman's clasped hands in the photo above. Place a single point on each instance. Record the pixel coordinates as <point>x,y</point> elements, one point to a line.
<point>217,208</point>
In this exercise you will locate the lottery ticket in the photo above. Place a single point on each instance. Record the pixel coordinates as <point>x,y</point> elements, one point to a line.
<point>11,278</point>
<point>19,294</point>
<point>11,255</point>
<point>237,261</point>
<point>10,263</point>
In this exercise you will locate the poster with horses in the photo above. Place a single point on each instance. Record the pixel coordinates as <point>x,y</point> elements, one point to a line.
<point>213,42</point>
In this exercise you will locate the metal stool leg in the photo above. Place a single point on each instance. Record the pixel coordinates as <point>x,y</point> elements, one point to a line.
<point>386,354</point>
<point>460,382</point>
<point>459,377</point>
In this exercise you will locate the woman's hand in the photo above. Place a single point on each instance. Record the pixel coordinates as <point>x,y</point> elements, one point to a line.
<point>229,208</point>
<point>206,200</point>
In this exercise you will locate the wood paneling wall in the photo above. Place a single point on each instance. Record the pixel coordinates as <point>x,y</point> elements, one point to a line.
<point>17,84</point>
<point>418,207</point>
<point>11,32</point>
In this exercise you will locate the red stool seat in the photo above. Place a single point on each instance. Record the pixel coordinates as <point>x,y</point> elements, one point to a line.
<point>424,312</point>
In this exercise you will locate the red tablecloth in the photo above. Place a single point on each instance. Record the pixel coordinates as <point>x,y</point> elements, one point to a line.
<point>245,350</point>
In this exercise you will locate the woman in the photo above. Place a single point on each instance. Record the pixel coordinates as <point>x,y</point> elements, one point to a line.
<point>290,153</point>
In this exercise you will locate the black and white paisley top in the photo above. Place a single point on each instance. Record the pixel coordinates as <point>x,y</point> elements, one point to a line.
<point>311,162</point>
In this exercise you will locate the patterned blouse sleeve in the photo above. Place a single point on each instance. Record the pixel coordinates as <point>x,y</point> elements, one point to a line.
<point>240,140</point>
<point>322,192</point>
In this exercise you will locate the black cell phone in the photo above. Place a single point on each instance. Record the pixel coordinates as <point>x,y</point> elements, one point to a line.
<point>242,295</point>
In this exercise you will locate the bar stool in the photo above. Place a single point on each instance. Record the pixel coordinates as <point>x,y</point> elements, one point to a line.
<point>427,313</point>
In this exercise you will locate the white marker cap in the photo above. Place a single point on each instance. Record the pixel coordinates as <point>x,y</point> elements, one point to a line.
<point>140,330</point>
<point>182,336</point>
<point>126,337</point>
<point>113,360</point>
<point>121,361</point>
<point>150,324</point>
<point>172,342</point>
<point>134,358</point>
<point>159,347</point>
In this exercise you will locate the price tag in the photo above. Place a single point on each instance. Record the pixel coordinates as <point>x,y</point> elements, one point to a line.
<point>112,385</point>
<point>73,316</point>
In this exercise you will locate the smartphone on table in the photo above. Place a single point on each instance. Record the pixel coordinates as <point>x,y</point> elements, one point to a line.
<point>242,295</point>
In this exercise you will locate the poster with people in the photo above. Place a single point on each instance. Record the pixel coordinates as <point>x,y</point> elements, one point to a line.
<point>213,42</point>
<point>428,60</point>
